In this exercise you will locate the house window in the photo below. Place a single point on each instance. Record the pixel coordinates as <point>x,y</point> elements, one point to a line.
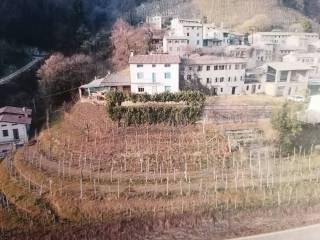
<point>221,90</point>
<point>222,79</point>
<point>247,88</point>
<point>208,68</point>
<point>198,42</point>
<point>140,65</point>
<point>199,68</point>
<point>189,77</point>
<point>154,65</point>
<point>140,89</point>
<point>235,79</point>
<point>167,65</point>
<point>154,77</point>
<point>167,75</point>
<point>5,133</point>
<point>216,79</point>
<point>188,42</point>
<point>215,67</point>
<point>259,87</point>
<point>190,68</point>
<point>188,34</point>
<point>208,80</point>
<point>229,79</point>
<point>167,88</point>
<point>140,75</point>
<point>237,66</point>
<point>221,67</point>
<point>243,66</point>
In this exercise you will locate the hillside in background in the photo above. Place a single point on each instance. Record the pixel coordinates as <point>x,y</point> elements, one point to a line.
<point>242,14</point>
<point>260,14</point>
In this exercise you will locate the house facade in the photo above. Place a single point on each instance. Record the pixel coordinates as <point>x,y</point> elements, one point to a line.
<point>154,73</point>
<point>191,29</point>
<point>175,45</point>
<point>96,89</point>
<point>215,36</point>
<point>14,125</point>
<point>155,22</point>
<point>256,55</point>
<point>222,75</point>
<point>277,37</point>
<point>286,79</point>
<point>310,59</point>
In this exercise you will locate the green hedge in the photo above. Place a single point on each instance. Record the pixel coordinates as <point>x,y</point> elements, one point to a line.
<point>188,113</point>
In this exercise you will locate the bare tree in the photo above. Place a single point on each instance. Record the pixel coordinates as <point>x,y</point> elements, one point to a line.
<point>126,38</point>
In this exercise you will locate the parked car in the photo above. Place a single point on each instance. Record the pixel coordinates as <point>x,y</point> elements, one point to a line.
<point>296,98</point>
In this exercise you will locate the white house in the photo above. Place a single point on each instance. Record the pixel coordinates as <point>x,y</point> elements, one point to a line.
<point>154,73</point>
<point>310,59</point>
<point>14,125</point>
<point>223,75</point>
<point>155,22</point>
<point>286,79</point>
<point>215,36</point>
<point>277,37</point>
<point>191,29</point>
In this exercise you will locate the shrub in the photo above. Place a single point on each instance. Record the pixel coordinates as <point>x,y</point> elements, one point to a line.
<point>186,113</point>
<point>287,126</point>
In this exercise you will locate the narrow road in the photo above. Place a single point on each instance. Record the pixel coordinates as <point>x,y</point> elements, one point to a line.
<point>25,68</point>
<point>303,233</point>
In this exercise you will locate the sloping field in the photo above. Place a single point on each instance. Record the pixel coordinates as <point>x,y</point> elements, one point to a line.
<point>236,12</point>
<point>155,179</point>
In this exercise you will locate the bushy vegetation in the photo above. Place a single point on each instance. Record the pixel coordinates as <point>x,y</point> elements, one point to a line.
<point>287,125</point>
<point>187,112</point>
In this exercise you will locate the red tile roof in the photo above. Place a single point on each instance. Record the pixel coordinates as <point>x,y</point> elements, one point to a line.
<point>15,115</point>
<point>10,118</point>
<point>15,110</point>
<point>155,59</point>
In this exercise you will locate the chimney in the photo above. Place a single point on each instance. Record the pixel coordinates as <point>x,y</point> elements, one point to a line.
<point>25,111</point>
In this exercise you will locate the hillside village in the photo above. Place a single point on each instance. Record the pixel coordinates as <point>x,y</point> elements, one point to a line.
<point>210,134</point>
<point>225,62</point>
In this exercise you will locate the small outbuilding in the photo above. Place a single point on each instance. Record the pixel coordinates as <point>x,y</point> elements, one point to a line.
<point>14,125</point>
<point>95,90</point>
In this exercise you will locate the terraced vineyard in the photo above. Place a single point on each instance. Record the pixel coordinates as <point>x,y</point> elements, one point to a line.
<point>85,169</point>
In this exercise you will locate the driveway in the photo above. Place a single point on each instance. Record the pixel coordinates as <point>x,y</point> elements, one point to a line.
<point>304,233</point>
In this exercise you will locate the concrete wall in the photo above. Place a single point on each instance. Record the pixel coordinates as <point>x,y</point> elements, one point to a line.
<point>285,89</point>
<point>253,88</point>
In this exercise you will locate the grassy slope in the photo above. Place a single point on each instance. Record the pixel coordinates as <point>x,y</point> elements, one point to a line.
<point>235,12</point>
